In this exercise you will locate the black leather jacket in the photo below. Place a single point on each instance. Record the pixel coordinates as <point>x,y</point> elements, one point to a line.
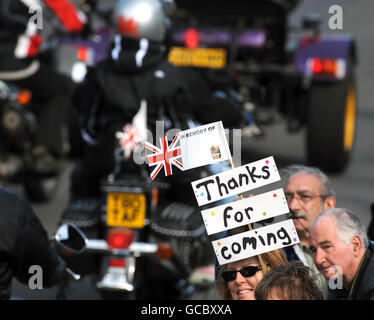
<point>116,87</point>
<point>363,287</point>
<point>24,243</point>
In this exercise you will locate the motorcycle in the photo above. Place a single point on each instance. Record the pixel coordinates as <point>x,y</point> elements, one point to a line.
<point>18,126</point>
<point>145,245</point>
<point>140,207</point>
<point>145,252</point>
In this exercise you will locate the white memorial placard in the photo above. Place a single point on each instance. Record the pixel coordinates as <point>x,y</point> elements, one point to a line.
<point>204,145</point>
<point>235,181</point>
<point>254,242</point>
<point>249,210</point>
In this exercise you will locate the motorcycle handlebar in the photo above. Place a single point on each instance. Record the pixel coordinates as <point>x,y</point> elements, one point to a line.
<point>72,274</point>
<point>101,246</point>
<point>162,250</point>
<point>73,241</point>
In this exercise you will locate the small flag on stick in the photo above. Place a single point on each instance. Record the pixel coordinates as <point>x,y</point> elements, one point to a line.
<point>165,156</point>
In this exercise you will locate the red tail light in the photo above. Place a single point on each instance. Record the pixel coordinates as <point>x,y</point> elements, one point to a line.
<point>191,38</point>
<point>326,66</point>
<point>82,54</point>
<point>120,238</point>
<point>316,66</point>
<point>117,263</point>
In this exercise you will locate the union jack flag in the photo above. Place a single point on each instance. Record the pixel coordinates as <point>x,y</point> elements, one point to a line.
<point>129,139</point>
<point>166,156</point>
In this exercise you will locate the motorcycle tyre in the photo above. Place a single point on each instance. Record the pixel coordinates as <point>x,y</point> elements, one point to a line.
<point>332,119</point>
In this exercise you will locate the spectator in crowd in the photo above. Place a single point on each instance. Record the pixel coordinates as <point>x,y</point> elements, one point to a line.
<point>290,281</point>
<point>308,193</point>
<point>343,254</point>
<point>238,280</point>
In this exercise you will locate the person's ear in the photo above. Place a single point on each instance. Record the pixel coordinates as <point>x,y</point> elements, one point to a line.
<point>330,202</point>
<point>356,245</point>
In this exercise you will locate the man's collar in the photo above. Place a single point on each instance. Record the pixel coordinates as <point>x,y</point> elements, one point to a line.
<point>357,278</point>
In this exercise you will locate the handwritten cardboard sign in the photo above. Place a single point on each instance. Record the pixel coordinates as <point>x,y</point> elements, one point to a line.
<point>235,181</point>
<point>238,213</point>
<point>255,242</point>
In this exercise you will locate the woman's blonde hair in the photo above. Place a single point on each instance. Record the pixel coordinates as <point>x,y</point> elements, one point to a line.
<point>267,261</point>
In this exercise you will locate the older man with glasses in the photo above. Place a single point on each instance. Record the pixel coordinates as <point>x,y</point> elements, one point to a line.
<point>308,193</point>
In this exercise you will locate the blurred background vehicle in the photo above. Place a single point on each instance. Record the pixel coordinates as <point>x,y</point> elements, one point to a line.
<point>75,55</point>
<point>310,82</point>
<point>18,127</point>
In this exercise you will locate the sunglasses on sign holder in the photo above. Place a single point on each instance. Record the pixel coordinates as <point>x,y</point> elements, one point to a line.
<point>246,272</point>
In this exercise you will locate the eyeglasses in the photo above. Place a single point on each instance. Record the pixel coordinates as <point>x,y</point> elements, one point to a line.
<point>302,196</point>
<point>246,272</point>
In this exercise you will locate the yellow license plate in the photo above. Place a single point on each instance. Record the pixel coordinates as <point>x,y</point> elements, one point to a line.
<point>125,210</point>
<point>199,57</point>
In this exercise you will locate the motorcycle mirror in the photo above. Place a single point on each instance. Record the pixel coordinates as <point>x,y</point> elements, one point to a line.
<point>71,238</point>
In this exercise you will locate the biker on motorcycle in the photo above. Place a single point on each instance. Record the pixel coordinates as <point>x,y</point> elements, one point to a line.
<point>23,244</point>
<point>20,43</point>
<point>137,69</point>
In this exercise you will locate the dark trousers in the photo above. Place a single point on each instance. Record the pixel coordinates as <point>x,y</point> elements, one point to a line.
<point>96,163</point>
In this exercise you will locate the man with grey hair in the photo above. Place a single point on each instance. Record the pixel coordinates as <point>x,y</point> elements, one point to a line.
<point>341,249</point>
<point>308,193</point>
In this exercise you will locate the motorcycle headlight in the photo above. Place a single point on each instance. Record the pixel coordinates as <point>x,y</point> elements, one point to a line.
<point>11,120</point>
<point>78,71</point>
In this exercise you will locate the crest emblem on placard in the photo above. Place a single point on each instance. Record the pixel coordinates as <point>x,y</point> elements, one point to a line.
<point>216,153</point>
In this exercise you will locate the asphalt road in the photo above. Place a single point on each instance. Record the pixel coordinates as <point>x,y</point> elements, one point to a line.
<point>354,187</point>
